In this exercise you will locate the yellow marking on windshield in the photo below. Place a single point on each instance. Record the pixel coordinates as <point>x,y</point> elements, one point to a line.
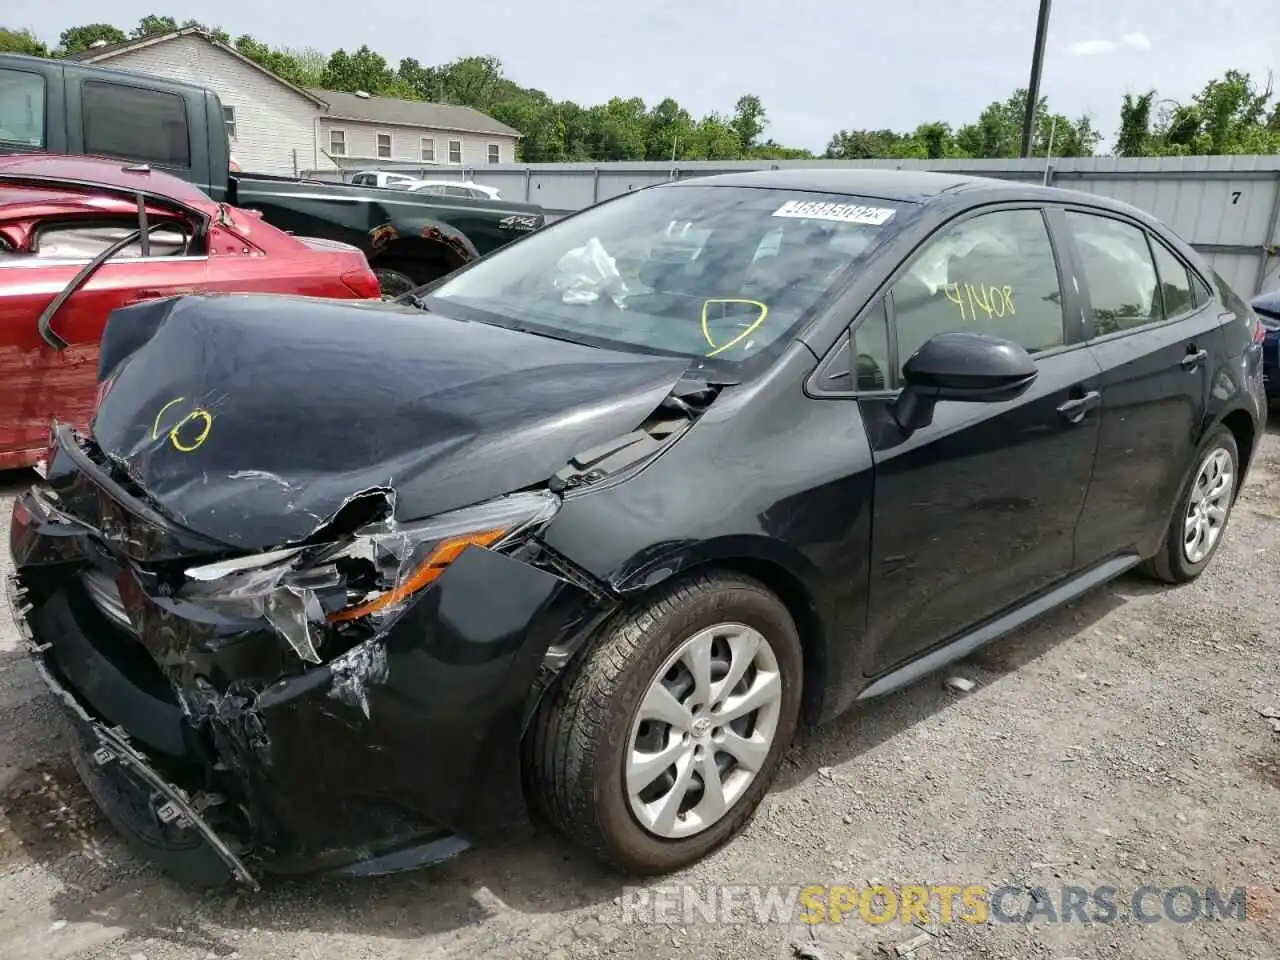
<point>750,328</point>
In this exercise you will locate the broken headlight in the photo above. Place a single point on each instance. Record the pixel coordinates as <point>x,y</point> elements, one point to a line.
<point>372,574</point>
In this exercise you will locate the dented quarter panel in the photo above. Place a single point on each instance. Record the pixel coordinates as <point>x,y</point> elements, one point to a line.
<point>220,415</point>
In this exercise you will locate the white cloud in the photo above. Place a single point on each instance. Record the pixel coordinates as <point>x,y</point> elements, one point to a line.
<point>1091,48</point>
<point>1138,41</point>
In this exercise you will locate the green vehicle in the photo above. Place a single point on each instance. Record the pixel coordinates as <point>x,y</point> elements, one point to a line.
<point>409,238</point>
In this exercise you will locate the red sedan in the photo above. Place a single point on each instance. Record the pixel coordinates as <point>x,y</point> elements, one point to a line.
<point>80,237</point>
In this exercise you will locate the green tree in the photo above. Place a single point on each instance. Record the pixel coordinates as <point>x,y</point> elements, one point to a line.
<point>716,139</point>
<point>152,24</point>
<point>362,70</point>
<point>670,132</point>
<point>749,120</point>
<point>22,41</point>
<point>78,39</point>
<point>1134,137</point>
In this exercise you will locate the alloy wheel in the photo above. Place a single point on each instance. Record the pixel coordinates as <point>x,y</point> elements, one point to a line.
<point>703,731</point>
<point>1209,502</point>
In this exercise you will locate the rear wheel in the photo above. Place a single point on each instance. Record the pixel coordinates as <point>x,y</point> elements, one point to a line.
<point>1200,518</point>
<point>663,739</point>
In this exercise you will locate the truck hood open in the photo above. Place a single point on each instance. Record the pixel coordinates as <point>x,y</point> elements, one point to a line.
<point>252,420</point>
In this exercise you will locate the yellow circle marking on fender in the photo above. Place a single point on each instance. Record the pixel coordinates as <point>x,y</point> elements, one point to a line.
<point>750,329</point>
<point>197,414</point>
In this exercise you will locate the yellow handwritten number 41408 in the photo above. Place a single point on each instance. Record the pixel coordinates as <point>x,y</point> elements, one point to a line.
<point>185,440</point>
<point>992,300</point>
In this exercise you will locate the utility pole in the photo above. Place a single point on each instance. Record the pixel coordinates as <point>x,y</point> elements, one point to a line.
<point>1033,87</point>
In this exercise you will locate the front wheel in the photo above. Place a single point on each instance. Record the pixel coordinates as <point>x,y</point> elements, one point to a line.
<point>1200,517</point>
<point>664,737</point>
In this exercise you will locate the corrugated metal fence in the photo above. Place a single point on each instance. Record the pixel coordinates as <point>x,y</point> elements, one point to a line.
<point>1227,207</point>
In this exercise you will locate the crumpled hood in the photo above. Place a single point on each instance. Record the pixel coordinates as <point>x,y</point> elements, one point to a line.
<point>252,419</point>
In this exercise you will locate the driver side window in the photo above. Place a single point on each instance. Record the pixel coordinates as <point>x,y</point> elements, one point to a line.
<point>993,274</point>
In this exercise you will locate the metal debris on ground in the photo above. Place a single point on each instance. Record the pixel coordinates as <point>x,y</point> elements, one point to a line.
<point>963,684</point>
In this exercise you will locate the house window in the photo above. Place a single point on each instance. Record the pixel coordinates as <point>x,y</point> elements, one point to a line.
<point>428,150</point>
<point>338,143</point>
<point>384,146</point>
<point>455,151</point>
<point>229,120</point>
<point>495,153</point>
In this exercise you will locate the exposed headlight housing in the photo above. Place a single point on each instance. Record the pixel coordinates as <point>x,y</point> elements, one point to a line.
<point>371,575</point>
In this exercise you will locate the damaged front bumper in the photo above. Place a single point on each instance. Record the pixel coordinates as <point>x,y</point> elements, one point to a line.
<point>170,802</point>
<point>395,753</point>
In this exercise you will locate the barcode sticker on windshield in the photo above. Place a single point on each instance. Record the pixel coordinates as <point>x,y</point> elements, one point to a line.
<point>838,212</point>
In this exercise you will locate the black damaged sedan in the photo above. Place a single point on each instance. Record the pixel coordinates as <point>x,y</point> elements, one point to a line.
<point>592,525</point>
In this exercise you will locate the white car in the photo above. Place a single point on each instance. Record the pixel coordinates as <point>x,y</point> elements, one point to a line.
<point>457,188</point>
<point>380,178</point>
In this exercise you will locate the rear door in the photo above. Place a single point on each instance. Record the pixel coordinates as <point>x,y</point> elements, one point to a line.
<point>38,381</point>
<point>1155,332</point>
<point>976,511</point>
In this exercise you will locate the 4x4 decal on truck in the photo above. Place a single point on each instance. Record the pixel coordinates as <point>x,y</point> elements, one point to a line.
<point>519,221</point>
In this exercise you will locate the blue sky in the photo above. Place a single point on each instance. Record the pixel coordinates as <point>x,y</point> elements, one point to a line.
<point>819,65</point>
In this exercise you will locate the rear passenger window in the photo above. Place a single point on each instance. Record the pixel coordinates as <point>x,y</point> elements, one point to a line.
<point>1117,266</point>
<point>993,274</point>
<point>21,108</point>
<point>135,123</point>
<point>1175,281</point>
<point>1203,294</point>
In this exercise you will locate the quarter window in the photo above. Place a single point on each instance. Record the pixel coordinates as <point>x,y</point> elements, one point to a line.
<point>1117,266</point>
<point>1175,281</point>
<point>21,108</point>
<point>135,123</point>
<point>871,367</point>
<point>993,274</point>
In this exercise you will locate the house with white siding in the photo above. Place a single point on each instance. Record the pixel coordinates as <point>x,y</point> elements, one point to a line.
<point>278,128</point>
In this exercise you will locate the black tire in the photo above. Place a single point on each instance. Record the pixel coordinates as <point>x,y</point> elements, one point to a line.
<point>1170,563</point>
<point>183,855</point>
<point>393,283</point>
<point>577,748</point>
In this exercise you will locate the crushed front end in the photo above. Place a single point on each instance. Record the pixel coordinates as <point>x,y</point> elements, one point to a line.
<point>354,701</point>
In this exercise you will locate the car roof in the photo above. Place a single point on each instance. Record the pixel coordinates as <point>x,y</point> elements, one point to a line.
<point>906,186</point>
<point>81,172</point>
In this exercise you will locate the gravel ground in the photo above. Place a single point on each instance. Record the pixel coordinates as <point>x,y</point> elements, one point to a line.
<point>1119,742</point>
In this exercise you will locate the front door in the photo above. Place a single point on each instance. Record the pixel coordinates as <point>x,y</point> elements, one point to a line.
<point>978,510</point>
<point>1155,333</point>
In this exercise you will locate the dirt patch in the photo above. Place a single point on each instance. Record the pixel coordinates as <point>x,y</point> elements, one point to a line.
<point>1265,767</point>
<point>46,812</point>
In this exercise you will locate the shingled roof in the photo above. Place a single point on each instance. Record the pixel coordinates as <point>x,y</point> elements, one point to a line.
<point>410,113</point>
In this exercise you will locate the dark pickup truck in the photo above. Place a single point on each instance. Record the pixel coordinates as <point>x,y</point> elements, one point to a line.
<point>61,106</point>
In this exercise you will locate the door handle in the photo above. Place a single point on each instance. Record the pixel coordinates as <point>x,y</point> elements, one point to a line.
<point>1193,360</point>
<point>1073,411</point>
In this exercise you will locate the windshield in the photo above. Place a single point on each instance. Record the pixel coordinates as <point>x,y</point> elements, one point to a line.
<point>723,275</point>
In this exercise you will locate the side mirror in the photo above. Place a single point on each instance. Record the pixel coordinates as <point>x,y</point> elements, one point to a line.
<point>960,366</point>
